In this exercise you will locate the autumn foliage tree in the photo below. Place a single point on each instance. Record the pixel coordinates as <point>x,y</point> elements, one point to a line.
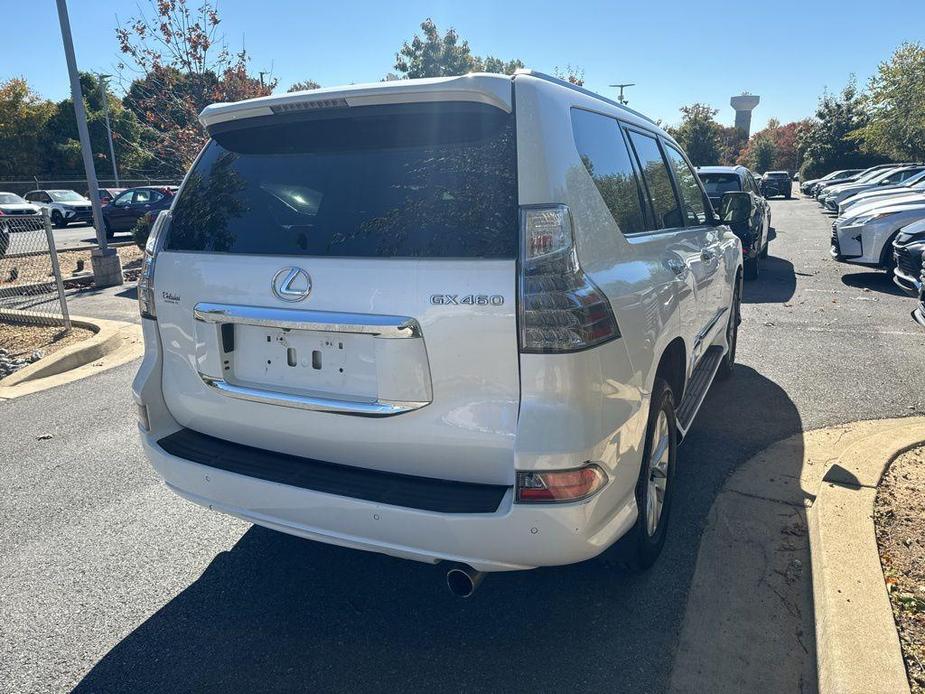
<point>441,55</point>
<point>182,64</point>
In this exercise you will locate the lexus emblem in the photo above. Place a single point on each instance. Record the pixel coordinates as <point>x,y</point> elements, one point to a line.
<point>292,284</point>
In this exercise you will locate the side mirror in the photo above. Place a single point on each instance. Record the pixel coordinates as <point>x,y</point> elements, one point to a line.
<point>735,208</point>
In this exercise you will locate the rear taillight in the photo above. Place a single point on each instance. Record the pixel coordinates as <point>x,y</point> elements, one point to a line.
<point>559,486</point>
<point>560,308</point>
<point>146,278</point>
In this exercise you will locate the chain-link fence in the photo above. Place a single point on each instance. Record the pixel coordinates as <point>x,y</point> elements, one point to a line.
<point>31,287</point>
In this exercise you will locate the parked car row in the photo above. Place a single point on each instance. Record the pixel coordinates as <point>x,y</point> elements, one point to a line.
<point>122,208</point>
<point>880,221</point>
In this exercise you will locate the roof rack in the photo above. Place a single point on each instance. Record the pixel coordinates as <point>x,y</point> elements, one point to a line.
<point>587,92</point>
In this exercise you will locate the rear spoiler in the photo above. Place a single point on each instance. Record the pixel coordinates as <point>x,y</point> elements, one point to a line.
<point>494,90</point>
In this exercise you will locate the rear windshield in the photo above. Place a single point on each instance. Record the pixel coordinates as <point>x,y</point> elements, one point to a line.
<point>414,180</point>
<point>775,174</point>
<point>719,183</point>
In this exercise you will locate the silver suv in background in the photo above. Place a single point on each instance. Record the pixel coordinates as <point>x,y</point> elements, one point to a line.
<point>462,320</point>
<point>64,206</point>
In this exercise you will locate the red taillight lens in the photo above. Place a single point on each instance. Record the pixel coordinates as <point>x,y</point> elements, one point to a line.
<point>559,486</point>
<point>560,308</point>
<point>146,276</point>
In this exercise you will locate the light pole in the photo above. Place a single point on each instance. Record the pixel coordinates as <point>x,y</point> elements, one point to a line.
<point>107,268</point>
<point>112,151</point>
<point>623,86</point>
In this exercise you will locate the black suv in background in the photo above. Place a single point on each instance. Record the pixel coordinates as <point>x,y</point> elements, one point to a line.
<point>133,204</point>
<point>756,233</point>
<point>776,183</point>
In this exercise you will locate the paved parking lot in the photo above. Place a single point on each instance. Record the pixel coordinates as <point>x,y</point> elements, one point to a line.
<point>73,236</point>
<point>110,582</point>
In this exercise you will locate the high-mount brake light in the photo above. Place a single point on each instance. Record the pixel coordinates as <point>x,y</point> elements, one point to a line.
<point>560,308</point>
<point>146,277</point>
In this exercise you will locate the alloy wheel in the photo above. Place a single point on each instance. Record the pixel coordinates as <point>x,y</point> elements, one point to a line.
<point>658,473</point>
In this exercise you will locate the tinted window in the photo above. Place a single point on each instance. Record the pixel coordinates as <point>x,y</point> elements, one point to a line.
<point>146,196</point>
<point>416,180</point>
<point>603,152</point>
<point>658,181</point>
<point>65,196</point>
<point>719,183</point>
<point>693,208</point>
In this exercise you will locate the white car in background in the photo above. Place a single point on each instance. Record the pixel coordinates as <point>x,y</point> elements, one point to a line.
<point>865,236</point>
<point>890,177</point>
<point>15,207</point>
<point>64,206</point>
<point>911,186</point>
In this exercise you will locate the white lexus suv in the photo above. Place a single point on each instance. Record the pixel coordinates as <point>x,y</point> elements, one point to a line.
<point>465,319</point>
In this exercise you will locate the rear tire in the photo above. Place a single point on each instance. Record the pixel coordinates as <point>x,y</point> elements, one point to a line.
<point>58,220</point>
<point>727,366</point>
<point>752,267</point>
<point>654,488</point>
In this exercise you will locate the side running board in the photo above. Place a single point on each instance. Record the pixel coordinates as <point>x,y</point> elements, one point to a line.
<point>698,386</point>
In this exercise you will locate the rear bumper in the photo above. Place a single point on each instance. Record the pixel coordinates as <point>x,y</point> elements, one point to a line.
<point>510,538</point>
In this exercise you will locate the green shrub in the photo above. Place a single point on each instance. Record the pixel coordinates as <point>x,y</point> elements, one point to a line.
<point>142,228</point>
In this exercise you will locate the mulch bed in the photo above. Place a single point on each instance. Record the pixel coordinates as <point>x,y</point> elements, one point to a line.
<point>37,268</point>
<point>899,516</point>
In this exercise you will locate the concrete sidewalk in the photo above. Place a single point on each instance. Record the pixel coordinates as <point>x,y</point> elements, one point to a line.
<point>749,623</point>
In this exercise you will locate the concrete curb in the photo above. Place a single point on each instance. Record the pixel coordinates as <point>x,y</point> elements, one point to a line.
<point>115,343</point>
<point>858,648</point>
<point>754,605</point>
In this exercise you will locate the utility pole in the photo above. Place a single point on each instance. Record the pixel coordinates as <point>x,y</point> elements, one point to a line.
<point>112,151</point>
<point>623,86</point>
<point>107,268</point>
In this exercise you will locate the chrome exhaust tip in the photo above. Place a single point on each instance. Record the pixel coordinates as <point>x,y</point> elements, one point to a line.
<point>462,580</point>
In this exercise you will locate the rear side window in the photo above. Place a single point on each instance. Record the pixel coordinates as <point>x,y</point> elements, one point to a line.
<point>658,181</point>
<point>719,183</point>
<point>603,152</point>
<point>412,180</point>
<point>693,209</point>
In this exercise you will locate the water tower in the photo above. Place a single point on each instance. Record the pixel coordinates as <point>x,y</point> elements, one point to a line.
<point>744,105</point>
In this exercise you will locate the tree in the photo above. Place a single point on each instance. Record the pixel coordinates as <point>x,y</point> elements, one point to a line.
<point>23,117</point>
<point>731,142</point>
<point>775,147</point>
<point>61,144</point>
<point>186,65</point>
<point>699,134</point>
<point>304,86</point>
<point>760,154</point>
<point>835,138</point>
<point>573,75</point>
<point>896,103</point>
<point>492,64</point>
<point>436,55</point>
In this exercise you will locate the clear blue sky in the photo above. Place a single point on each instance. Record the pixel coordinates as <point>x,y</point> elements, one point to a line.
<point>677,51</point>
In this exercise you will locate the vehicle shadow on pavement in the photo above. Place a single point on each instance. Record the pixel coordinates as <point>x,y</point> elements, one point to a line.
<point>876,281</point>
<point>776,283</point>
<point>277,613</point>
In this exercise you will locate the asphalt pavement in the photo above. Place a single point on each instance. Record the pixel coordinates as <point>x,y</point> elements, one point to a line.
<point>109,582</point>
<point>70,237</point>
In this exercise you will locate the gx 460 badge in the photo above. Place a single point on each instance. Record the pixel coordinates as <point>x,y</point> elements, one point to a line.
<point>467,300</point>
